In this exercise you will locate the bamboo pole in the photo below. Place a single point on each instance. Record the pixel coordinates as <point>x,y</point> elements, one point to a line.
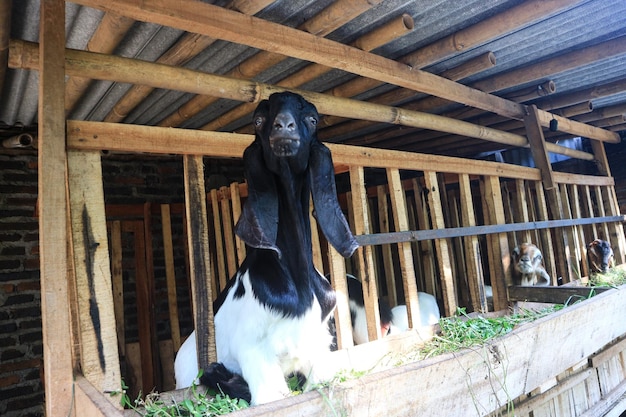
<point>128,70</point>
<point>108,35</point>
<point>381,36</point>
<point>188,47</point>
<point>398,95</point>
<point>579,96</point>
<point>577,109</point>
<point>602,113</point>
<point>329,19</point>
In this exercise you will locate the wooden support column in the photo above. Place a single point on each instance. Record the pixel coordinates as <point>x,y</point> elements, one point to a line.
<point>407,268</point>
<point>475,278</point>
<point>200,271</point>
<point>540,156</point>
<point>498,244</point>
<point>55,295</point>
<point>170,275</point>
<point>448,292</point>
<point>365,256</point>
<point>342,311</point>
<point>99,356</point>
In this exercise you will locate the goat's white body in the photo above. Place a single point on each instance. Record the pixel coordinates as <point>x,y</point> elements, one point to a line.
<point>262,345</point>
<point>429,315</point>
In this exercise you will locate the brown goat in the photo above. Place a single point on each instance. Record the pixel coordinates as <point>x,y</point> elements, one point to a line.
<point>528,266</point>
<point>599,256</point>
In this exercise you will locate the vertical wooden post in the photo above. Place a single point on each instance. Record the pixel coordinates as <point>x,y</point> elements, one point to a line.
<point>227,228</point>
<point>540,156</point>
<point>401,223</point>
<point>425,247</point>
<point>98,336</point>
<point>499,253</point>
<point>199,263</point>
<point>364,253</point>
<point>219,242</point>
<point>383,221</point>
<point>118,284</point>
<point>170,275</point>
<point>443,252</point>
<point>343,322</point>
<point>475,278</point>
<point>55,297</point>
<point>235,201</point>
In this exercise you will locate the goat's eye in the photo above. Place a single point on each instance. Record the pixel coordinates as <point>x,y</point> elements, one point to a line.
<point>312,120</point>
<point>258,121</point>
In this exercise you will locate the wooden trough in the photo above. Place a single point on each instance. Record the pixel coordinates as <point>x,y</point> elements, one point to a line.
<point>442,225</point>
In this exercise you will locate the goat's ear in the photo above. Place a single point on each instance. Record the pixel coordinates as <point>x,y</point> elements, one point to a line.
<point>327,210</point>
<point>515,252</point>
<point>258,224</point>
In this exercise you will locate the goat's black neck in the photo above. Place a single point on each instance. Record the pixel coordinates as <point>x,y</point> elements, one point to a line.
<point>289,283</point>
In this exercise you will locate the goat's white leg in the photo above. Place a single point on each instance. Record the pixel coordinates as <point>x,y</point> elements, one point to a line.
<point>265,377</point>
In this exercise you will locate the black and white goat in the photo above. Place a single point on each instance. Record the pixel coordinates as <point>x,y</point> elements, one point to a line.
<point>271,321</point>
<point>600,256</point>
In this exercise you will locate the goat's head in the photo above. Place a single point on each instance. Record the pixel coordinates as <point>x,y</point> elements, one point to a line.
<point>286,150</point>
<point>600,255</point>
<point>527,258</point>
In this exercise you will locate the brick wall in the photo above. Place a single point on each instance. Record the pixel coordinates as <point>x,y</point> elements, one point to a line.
<point>126,181</point>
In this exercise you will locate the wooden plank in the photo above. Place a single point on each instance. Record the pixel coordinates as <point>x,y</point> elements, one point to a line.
<point>98,336</point>
<point>521,208</point>
<point>581,239</point>
<point>170,275</point>
<point>343,322</point>
<point>473,268</point>
<point>426,248</point>
<point>53,213</point>
<point>571,251</point>
<point>553,295</point>
<point>483,378</point>
<point>229,235</point>
<point>235,203</point>
<point>364,254</point>
<point>615,348</point>
<point>89,401</point>
<point>144,300</point>
<point>441,245</point>
<point>405,253</point>
<point>118,284</point>
<point>219,241</point>
<point>498,252</point>
<point>383,221</point>
<point>546,236</point>
<point>199,264</point>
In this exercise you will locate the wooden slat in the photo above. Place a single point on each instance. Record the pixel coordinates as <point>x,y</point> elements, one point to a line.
<point>364,254</point>
<point>98,337</point>
<point>550,254</point>
<point>219,240</point>
<point>199,264</point>
<point>89,401</point>
<point>571,250</point>
<point>118,284</point>
<point>229,235</point>
<point>170,275</point>
<point>343,323</point>
<point>473,268</point>
<point>53,213</point>
<point>235,203</point>
<point>405,253</point>
<point>441,245</point>
<point>554,295</point>
<point>498,252</point>
<point>387,260</point>
<point>315,241</point>
<point>427,250</point>
<point>581,238</point>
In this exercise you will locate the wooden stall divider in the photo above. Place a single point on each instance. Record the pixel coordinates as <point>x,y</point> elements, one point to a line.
<point>582,238</point>
<point>572,249</point>
<point>364,255</point>
<point>343,321</point>
<point>98,335</point>
<point>315,241</point>
<point>200,269</point>
<point>170,275</point>
<point>426,249</point>
<point>550,257</point>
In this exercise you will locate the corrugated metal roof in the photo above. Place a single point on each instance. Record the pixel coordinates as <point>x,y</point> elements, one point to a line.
<point>573,28</point>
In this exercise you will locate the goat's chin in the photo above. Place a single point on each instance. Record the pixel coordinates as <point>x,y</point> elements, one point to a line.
<point>284,147</point>
<point>525,269</point>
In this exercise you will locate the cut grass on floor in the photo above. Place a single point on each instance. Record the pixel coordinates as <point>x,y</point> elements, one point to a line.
<point>614,277</point>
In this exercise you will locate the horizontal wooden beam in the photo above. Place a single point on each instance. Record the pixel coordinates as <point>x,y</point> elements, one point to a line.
<point>161,140</point>
<point>553,295</point>
<point>450,232</point>
<point>221,23</point>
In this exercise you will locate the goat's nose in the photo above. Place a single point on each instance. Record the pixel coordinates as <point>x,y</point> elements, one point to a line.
<point>284,121</point>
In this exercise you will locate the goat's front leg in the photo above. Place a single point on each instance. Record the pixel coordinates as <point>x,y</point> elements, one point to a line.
<point>264,377</point>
